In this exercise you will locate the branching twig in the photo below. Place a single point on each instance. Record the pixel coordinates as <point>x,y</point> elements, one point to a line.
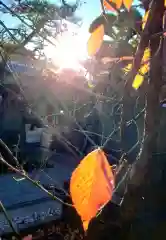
<point>37,184</point>
<point>5,151</point>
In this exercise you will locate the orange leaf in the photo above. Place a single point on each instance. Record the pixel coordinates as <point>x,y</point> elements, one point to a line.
<point>95,40</point>
<point>91,185</point>
<point>118,3</point>
<point>108,6</point>
<point>127,4</point>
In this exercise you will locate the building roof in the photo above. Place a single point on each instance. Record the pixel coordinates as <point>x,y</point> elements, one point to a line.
<point>28,69</point>
<point>17,50</point>
<point>25,201</point>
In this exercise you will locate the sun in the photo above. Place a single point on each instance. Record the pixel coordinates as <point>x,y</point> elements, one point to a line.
<point>70,50</point>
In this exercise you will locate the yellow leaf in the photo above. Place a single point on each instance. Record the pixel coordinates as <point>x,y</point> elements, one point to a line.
<point>127,68</point>
<point>144,69</point>
<point>127,4</point>
<point>165,3</point>
<point>137,81</point>
<point>144,20</point>
<point>90,85</point>
<point>92,175</point>
<point>95,40</point>
<point>140,77</point>
<point>146,55</point>
<point>145,59</point>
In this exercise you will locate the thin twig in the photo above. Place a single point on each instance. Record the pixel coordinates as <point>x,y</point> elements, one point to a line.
<point>37,184</point>
<point>5,151</point>
<point>10,221</point>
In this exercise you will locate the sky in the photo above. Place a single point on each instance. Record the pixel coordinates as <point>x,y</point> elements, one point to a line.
<point>88,11</point>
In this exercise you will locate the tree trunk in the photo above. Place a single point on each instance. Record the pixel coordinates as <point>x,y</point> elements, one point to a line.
<point>142,166</point>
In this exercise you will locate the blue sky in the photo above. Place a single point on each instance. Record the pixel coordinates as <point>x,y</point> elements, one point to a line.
<point>87,11</point>
<point>90,10</point>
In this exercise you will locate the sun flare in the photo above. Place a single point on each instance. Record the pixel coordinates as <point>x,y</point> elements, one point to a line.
<point>70,51</point>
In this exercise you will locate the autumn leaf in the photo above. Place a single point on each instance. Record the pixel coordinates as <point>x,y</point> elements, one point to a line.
<point>137,81</point>
<point>144,20</point>
<point>90,85</point>
<point>93,175</point>
<point>139,78</point>
<point>127,4</point>
<point>118,3</point>
<point>95,40</point>
<point>127,68</point>
<point>146,55</point>
<point>108,6</point>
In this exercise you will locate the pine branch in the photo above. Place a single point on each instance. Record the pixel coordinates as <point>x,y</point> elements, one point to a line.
<point>37,29</point>
<point>24,22</point>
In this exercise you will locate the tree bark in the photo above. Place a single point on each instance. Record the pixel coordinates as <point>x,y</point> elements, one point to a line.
<point>142,165</point>
<point>126,103</point>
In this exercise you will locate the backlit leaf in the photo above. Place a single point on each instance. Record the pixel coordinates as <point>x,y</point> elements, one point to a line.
<point>95,40</point>
<point>146,55</point>
<point>144,20</point>
<point>140,77</point>
<point>90,85</point>
<point>142,71</point>
<point>91,185</point>
<point>118,3</point>
<point>127,68</point>
<point>137,81</point>
<point>108,6</point>
<point>127,4</point>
